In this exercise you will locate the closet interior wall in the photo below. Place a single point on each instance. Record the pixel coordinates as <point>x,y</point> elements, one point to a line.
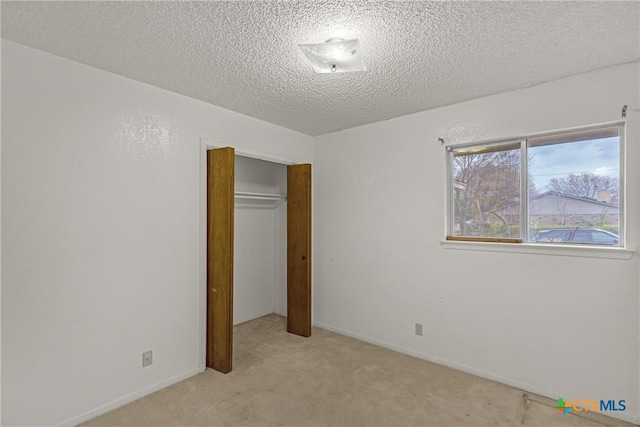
<point>260,241</point>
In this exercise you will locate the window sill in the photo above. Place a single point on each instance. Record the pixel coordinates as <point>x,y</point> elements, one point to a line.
<point>542,249</point>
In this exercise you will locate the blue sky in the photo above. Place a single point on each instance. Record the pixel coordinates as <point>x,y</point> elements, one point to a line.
<point>599,156</point>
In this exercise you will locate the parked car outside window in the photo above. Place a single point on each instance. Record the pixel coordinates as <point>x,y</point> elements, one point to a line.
<point>581,235</point>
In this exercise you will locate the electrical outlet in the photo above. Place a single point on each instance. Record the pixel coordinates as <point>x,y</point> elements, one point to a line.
<point>147,358</point>
<point>419,329</point>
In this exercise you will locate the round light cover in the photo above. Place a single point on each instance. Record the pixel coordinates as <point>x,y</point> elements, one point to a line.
<point>334,56</point>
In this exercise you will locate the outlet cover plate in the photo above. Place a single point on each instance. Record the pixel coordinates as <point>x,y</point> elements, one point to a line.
<point>419,329</point>
<point>147,358</point>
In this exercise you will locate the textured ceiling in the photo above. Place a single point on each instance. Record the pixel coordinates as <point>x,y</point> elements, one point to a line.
<point>243,55</point>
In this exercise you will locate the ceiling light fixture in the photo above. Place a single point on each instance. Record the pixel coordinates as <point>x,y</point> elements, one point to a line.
<point>334,56</point>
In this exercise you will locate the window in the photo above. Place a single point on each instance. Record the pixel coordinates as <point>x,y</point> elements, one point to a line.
<point>558,188</point>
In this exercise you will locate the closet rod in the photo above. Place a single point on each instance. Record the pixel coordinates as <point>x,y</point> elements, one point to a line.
<point>259,196</point>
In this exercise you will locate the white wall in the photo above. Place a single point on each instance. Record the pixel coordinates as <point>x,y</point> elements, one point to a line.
<point>280,245</point>
<point>560,326</point>
<point>259,242</point>
<point>101,229</point>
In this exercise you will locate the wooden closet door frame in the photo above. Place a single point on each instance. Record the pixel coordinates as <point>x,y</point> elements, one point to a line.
<point>299,249</point>
<point>220,244</point>
<point>206,145</point>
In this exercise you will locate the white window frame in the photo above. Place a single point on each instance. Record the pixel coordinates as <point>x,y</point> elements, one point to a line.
<point>619,252</point>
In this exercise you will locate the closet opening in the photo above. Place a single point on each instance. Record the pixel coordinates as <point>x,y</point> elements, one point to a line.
<point>258,247</point>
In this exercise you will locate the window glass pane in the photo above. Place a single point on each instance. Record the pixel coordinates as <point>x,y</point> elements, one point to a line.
<point>574,193</point>
<point>486,191</point>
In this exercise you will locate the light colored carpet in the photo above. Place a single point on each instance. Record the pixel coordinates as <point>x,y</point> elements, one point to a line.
<point>279,379</point>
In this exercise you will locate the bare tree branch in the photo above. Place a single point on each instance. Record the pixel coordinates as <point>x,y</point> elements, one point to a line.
<point>585,185</point>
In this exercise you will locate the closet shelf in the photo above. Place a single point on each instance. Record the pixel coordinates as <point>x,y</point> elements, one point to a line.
<point>259,196</point>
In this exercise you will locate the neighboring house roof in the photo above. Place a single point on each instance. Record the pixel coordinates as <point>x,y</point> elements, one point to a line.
<point>554,202</point>
<point>569,196</point>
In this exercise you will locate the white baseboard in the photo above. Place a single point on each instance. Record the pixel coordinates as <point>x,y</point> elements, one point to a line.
<point>468,369</point>
<point>252,317</point>
<point>86,416</point>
